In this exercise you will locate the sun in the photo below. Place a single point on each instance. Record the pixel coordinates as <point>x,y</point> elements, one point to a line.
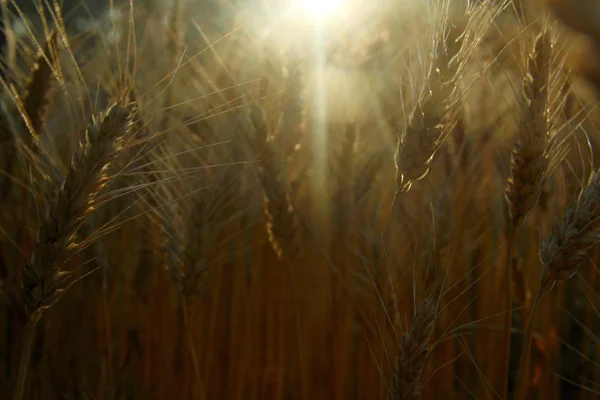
<point>320,9</point>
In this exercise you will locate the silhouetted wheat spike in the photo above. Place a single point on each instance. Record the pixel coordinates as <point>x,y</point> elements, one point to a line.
<point>414,350</point>
<point>44,277</point>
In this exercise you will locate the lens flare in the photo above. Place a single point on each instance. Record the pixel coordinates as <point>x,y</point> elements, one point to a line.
<point>320,8</point>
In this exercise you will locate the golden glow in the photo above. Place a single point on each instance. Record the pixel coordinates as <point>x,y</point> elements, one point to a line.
<point>320,8</point>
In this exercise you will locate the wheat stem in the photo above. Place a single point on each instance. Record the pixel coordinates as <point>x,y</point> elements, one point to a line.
<point>523,369</point>
<point>28,339</point>
<point>508,314</point>
<point>107,338</point>
<point>187,319</point>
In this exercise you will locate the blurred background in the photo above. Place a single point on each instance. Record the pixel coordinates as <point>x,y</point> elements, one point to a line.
<point>252,241</point>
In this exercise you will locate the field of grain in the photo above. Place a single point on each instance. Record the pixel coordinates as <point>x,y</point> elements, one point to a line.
<point>239,199</point>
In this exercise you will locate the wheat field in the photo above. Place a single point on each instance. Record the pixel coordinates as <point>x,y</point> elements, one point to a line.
<point>241,199</point>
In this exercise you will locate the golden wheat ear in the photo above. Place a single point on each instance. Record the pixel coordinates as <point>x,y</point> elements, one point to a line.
<point>437,102</point>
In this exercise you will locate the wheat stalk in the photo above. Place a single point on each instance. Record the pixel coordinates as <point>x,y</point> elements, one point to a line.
<point>44,277</point>
<point>529,164</point>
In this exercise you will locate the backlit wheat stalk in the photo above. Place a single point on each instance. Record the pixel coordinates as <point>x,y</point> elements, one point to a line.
<point>45,277</point>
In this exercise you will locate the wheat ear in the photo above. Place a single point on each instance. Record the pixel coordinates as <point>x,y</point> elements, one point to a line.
<point>561,253</point>
<point>44,277</point>
<point>422,134</point>
<point>415,348</point>
<point>15,120</point>
<point>38,86</point>
<point>529,165</point>
<point>282,222</point>
<point>417,147</point>
<point>529,161</point>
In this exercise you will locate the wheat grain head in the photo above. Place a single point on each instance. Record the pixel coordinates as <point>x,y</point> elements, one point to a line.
<point>571,238</point>
<point>44,277</point>
<point>414,350</point>
<point>529,158</point>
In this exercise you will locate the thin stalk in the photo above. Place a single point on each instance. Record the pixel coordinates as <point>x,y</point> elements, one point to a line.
<point>186,361</point>
<point>148,332</point>
<point>188,317</point>
<point>296,303</point>
<point>28,339</point>
<point>522,371</point>
<point>107,337</point>
<point>589,314</point>
<point>280,313</point>
<point>508,314</point>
